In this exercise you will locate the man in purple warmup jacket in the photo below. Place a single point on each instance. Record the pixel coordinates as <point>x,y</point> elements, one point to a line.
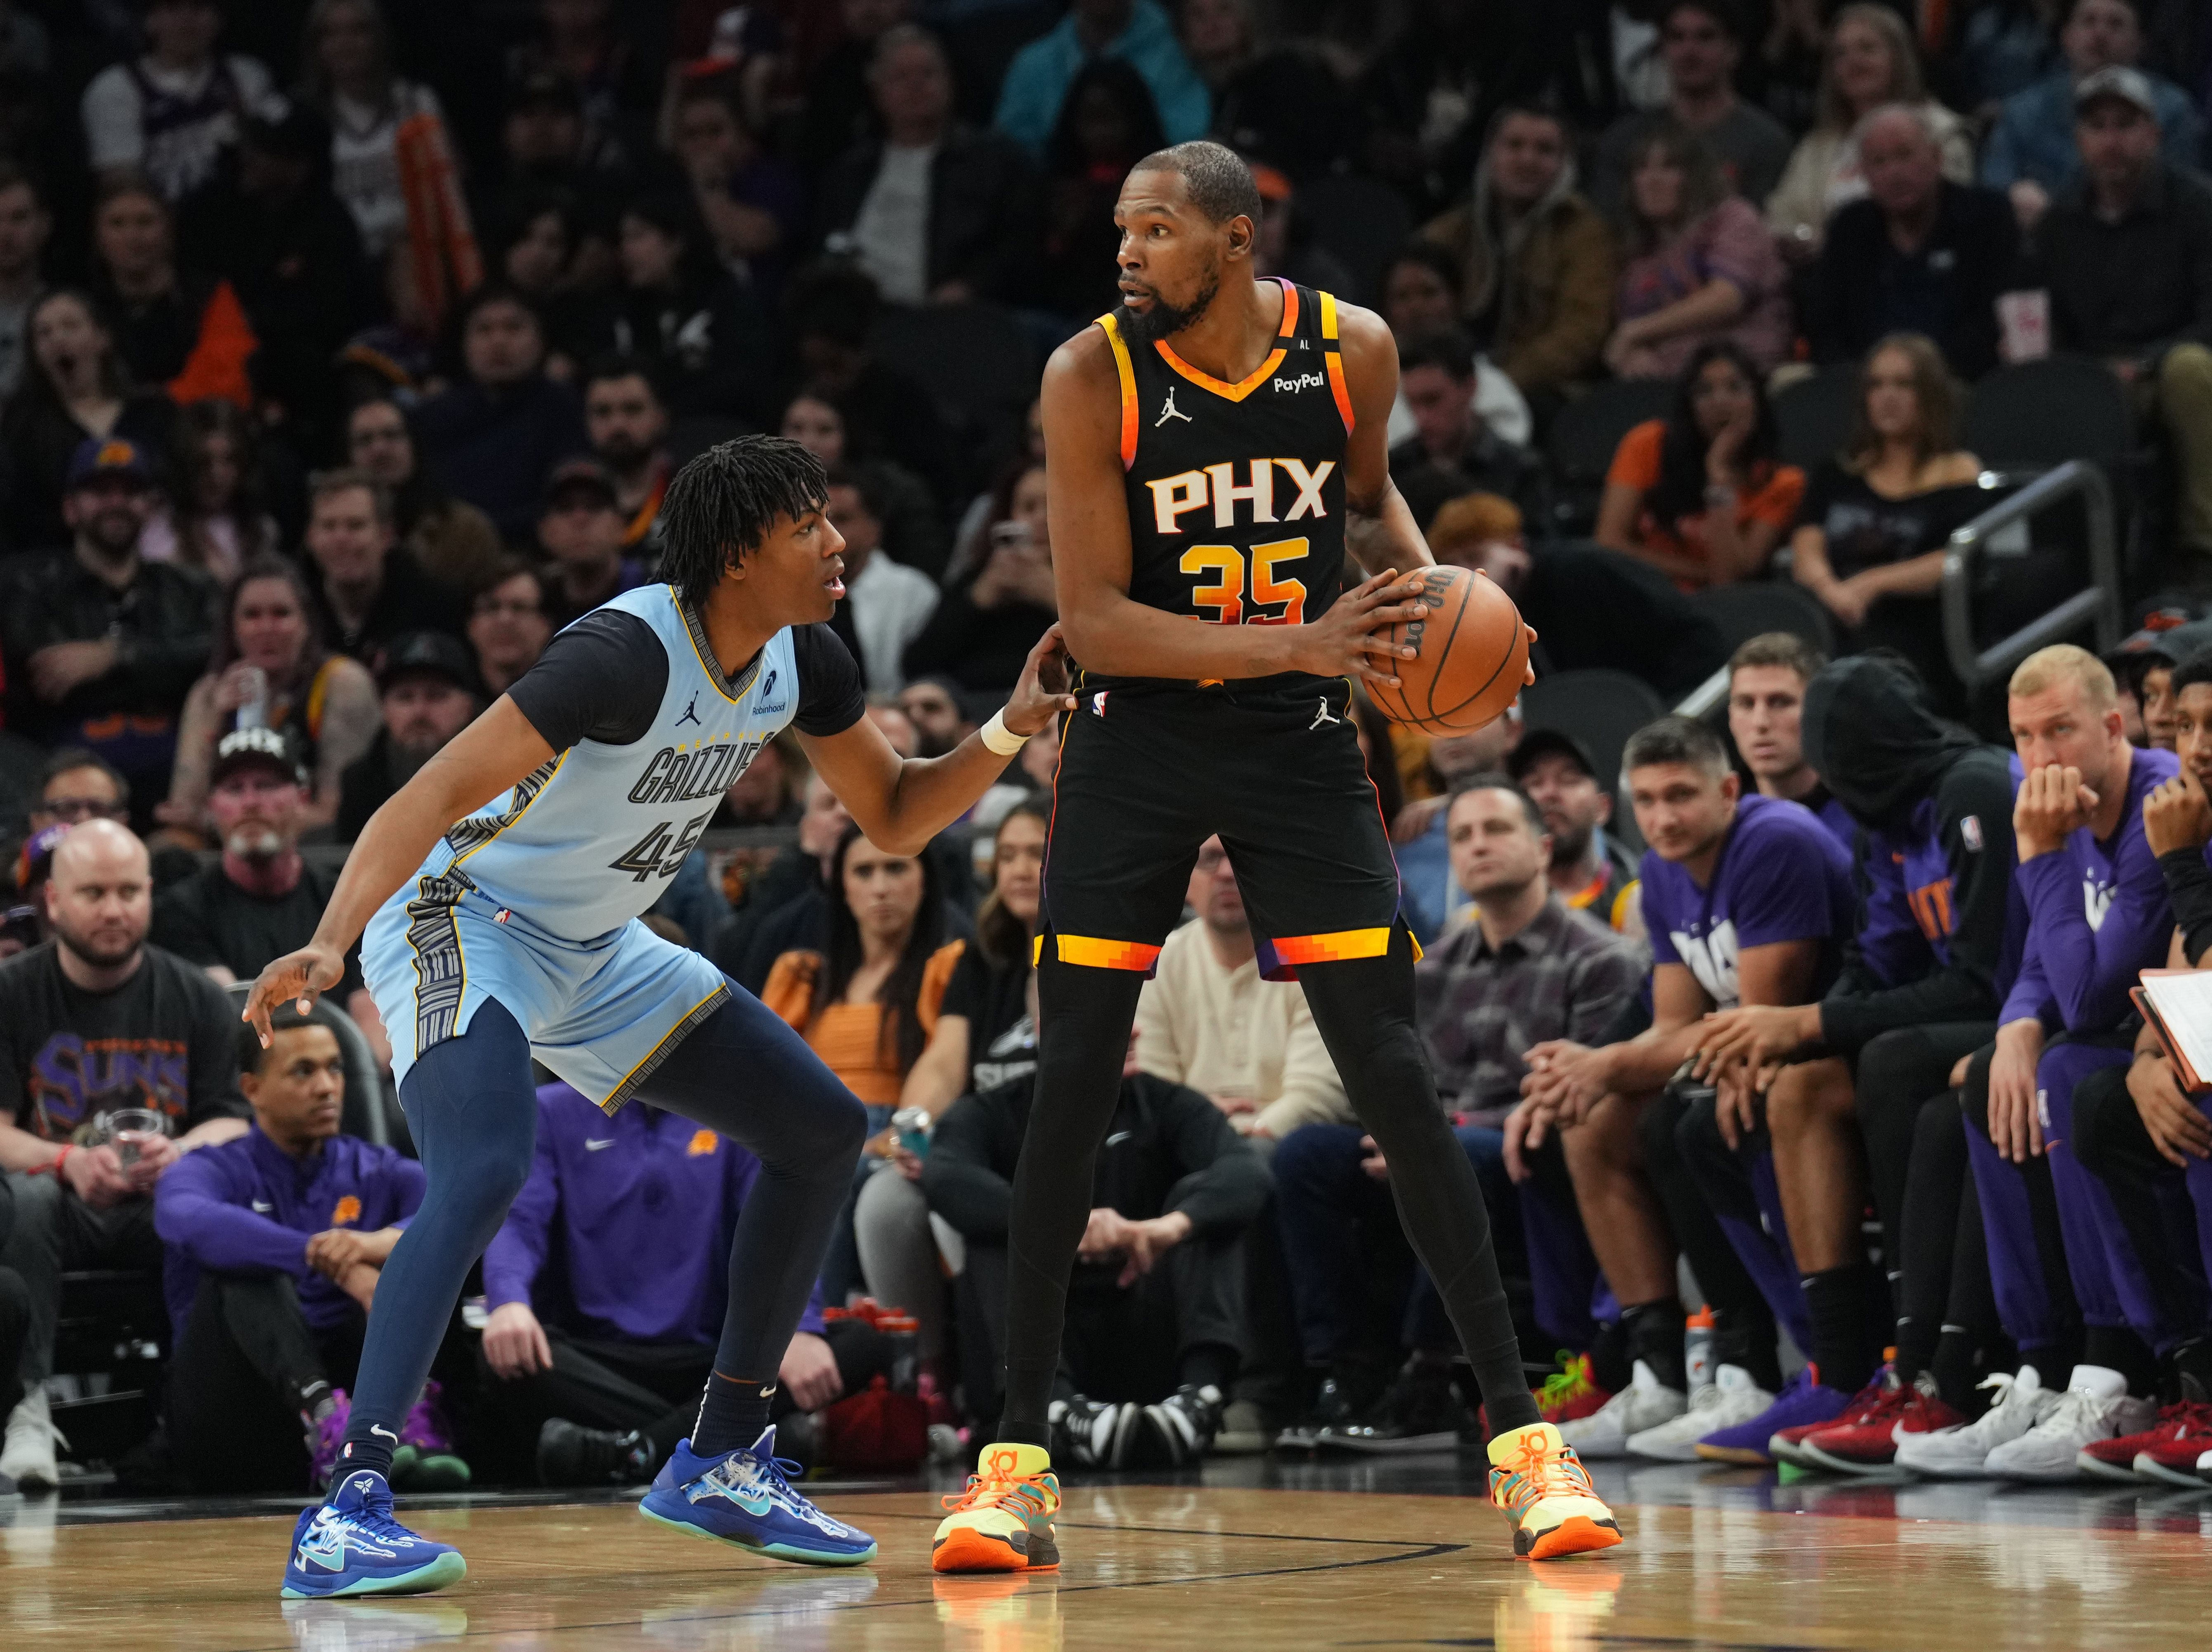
<point>607,1284</point>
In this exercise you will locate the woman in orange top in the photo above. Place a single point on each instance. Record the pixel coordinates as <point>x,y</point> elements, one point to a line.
<point>868,1005</point>
<point>1700,494</point>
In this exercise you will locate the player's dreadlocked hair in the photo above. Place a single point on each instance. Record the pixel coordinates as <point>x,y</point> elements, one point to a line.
<point>723,503</point>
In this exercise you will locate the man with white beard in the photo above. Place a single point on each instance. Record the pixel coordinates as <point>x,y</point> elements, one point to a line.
<point>262,899</point>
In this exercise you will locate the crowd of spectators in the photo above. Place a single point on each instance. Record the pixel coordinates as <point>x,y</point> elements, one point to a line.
<point>346,354</point>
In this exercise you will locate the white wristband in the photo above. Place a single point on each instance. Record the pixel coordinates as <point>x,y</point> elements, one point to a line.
<point>999,739</point>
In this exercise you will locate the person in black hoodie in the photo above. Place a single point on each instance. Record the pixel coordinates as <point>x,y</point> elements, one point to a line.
<point>703,328</point>
<point>1857,1087</point>
<point>1155,1309</point>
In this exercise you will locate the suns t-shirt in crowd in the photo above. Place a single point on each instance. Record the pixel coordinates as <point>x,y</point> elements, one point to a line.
<point>166,1039</point>
<point>1865,528</point>
<point>1780,876</point>
<point>1772,496</point>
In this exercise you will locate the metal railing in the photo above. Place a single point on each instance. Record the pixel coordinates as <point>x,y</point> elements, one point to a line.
<point>2099,604</point>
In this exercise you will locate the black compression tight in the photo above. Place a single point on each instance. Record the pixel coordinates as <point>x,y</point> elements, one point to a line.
<point>1363,1011</point>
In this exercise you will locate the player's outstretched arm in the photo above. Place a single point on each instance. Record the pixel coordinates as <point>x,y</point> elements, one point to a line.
<point>1108,633</point>
<point>901,803</point>
<point>490,756</point>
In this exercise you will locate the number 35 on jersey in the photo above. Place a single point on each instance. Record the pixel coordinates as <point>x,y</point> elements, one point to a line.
<point>1240,583</point>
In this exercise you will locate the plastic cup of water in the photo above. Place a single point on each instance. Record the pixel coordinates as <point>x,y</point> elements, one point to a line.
<point>127,1127</point>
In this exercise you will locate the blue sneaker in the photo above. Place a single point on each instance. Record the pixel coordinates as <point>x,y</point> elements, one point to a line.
<point>744,1497</point>
<point>352,1545</point>
<point>1805,1402</point>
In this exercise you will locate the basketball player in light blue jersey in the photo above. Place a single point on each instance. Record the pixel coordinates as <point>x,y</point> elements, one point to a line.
<point>500,891</point>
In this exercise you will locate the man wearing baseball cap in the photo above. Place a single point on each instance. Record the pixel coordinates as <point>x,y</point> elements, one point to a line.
<point>2125,256</point>
<point>1590,871</point>
<point>429,692</point>
<point>102,647</point>
<point>263,898</point>
<point>582,529</point>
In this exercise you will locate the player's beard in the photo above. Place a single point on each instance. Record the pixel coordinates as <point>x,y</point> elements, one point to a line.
<point>1164,320</point>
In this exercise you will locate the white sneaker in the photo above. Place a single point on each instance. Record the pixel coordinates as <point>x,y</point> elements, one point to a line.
<point>1645,1403</point>
<point>1960,1453</point>
<point>2095,1407</point>
<point>1731,1399</point>
<point>28,1456</point>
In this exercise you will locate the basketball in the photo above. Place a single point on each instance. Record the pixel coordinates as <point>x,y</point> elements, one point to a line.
<point>1473,653</point>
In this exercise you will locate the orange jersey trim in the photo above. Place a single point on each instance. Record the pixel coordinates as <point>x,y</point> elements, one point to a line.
<point>1333,948</point>
<point>1129,374</point>
<point>1236,392</point>
<point>1096,953</point>
<point>1338,386</point>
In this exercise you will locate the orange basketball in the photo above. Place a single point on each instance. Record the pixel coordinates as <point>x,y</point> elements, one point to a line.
<point>1473,653</point>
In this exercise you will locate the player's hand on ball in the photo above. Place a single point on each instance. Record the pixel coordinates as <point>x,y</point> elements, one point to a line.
<point>1348,640</point>
<point>301,977</point>
<point>1042,694</point>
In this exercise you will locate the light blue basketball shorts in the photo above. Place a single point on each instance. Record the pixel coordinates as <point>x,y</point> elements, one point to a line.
<point>602,1013</point>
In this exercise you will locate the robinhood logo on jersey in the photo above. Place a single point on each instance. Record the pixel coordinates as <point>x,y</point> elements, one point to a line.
<point>676,776</point>
<point>1303,381</point>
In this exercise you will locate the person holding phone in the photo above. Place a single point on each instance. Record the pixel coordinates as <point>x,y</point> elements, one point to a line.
<point>990,619</point>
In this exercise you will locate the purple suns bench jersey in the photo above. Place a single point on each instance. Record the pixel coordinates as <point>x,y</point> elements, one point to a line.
<point>1781,876</point>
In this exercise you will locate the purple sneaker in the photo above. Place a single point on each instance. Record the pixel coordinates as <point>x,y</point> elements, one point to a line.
<point>1805,1402</point>
<point>424,1460</point>
<point>326,1439</point>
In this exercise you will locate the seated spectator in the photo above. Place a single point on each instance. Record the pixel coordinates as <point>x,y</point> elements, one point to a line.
<point>1745,900</point>
<point>1420,297</point>
<point>26,223</point>
<point>2032,152</point>
<point>2125,255</point>
<point>262,899</point>
<point>508,627</point>
<point>173,113</point>
<point>830,316</point>
<point>1432,899</point>
<point>392,163</point>
<point>1039,82</point>
<point>101,646</point>
<point>940,722</point>
<point>913,530</point>
<point>1871,536</point>
<point>275,1242</point>
<point>97,1020</point>
<point>545,152</point>
<point>1155,1305</point>
<point>626,420</point>
<point>1536,262</point>
<point>495,436</point>
<point>580,531</point>
<point>544,246</point>
<point>1920,253</point>
<point>1453,451</point>
<point>868,1001</point>
<point>1278,99</point>
<point>271,226</point>
<point>1284,243</point>
<point>427,692</point>
<point>1917,994</point>
<point>1106,127</point>
<point>75,389</point>
<point>2145,678</point>
<point>617,84</point>
<point>1526,969</point>
<point>1768,675</point>
<point>987,623</point>
<point>605,1286</point>
<point>986,1036</point>
<point>1605,608</point>
<point>887,605</point>
<point>191,336</point>
<point>754,207</point>
<point>1590,870</point>
<point>450,539</point>
<point>1869,62</point>
<point>215,520</point>
<point>1701,268</point>
<point>1701,495</point>
<point>677,307</point>
<point>1700,43</point>
<point>368,591</point>
<point>1208,1020</point>
<point>786,905</point>
<point>270,669</point>
<point>74,786</point>
<point>936,211</point>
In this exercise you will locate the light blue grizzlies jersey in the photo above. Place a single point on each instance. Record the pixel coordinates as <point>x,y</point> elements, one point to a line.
<point>589,841</point>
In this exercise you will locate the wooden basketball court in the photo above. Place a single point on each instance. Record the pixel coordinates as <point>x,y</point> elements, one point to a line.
<point>1723,1562</point>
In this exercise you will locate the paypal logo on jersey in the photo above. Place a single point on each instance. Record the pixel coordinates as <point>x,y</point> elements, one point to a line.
<point>1303,381</point>
<point>1712,959</point>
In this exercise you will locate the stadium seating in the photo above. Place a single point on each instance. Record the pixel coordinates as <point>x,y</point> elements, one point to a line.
<point>1583,439</point>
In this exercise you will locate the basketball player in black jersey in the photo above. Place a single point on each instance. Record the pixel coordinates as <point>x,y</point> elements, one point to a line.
<point>1214,448</point>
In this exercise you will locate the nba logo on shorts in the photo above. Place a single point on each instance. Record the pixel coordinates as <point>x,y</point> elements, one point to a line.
<point>1098,703</point>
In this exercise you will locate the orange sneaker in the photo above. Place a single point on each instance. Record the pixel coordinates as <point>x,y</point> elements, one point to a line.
<point>1003,1521</point>
<point>1539,1482</point>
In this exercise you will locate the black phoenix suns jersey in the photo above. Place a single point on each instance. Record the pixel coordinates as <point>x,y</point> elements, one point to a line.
<point>1235,492</point>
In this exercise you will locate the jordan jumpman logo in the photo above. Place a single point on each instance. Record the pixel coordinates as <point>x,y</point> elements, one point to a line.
<point>690,714</point>
<point>1170,410</point>
<point>1324,715</point>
